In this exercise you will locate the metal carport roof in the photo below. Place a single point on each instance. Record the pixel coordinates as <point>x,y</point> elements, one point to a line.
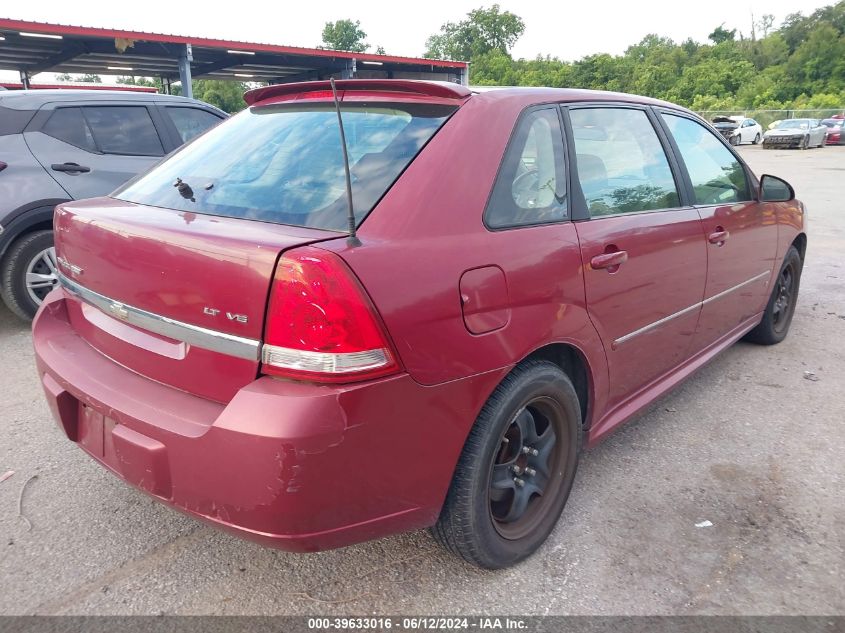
<point>34,47</point>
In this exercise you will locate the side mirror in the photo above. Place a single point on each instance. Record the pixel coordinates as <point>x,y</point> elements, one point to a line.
<point>774,189</point>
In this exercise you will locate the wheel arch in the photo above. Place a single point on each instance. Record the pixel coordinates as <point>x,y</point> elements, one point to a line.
<point>36,216</point>
<point>800,244</point>
<point>573,362</point>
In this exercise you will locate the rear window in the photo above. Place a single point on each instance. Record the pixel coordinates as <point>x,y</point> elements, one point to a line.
<point>68,125</point>
<point>283,163</point>
<point>125,130</point>
<point>191,122</point>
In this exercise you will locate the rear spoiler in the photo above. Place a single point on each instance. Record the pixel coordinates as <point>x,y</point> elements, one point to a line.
<point>440,89</point>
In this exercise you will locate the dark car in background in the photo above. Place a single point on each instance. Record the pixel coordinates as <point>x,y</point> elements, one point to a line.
<point>834,130</point>
<point>63,145</point>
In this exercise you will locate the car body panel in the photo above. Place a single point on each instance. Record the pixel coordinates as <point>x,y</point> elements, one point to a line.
<point>24,180</point>
<point>663,276</point>
<point>739,269</point>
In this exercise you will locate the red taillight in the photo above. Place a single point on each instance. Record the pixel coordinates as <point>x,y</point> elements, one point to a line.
<point>320,324</point>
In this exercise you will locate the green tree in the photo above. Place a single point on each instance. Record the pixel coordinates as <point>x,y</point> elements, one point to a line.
<point>226,95</point>
<point>87,78</point>
<point>482,32</point>
<point>142,81</point>
<point>818,65</point>
<point>800,63</point>
<point>765,23</point>
<point>345,35</point>
<point>721,34</point>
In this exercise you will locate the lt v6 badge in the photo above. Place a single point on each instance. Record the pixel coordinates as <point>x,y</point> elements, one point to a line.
<point>240,318</point>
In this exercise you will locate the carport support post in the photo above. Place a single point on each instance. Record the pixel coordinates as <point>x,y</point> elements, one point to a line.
<point>350,69</point>
<point>185,58</point>
<point>464,75</point>
<point>25,80</point>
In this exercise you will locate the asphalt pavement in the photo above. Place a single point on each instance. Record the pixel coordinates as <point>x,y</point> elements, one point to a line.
<point>725,497</point>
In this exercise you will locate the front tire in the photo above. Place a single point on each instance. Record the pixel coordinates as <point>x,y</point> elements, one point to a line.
<point>28,273</point>
<point>756,140</point>
<point>735,140</point>
<point>781,307</point>
<point>516,469</point>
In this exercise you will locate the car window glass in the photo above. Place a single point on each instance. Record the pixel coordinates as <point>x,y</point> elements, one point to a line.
<point>191,122</point>
<point>124,130</point>
<point>530,188</point>
<point>716,174</point>
<point>284,162</point>
<point>68,125</point>
<point>622,167</point>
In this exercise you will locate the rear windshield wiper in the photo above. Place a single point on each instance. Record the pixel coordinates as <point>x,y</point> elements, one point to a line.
<point>184,190</point>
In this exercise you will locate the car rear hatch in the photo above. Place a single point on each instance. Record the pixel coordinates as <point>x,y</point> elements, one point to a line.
<point>174,296</point>
<point>171,276</point>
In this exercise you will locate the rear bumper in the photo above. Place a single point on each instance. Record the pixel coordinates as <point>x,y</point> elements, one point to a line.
<point>297,466</point>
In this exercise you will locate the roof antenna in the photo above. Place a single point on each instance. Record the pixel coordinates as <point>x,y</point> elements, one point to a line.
<point>352,240</point>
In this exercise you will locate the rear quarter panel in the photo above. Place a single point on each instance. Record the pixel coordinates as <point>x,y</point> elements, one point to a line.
<point>428,230</point>
<point>24,180</point>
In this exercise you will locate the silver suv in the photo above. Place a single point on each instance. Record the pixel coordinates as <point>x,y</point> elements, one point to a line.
<point>60,145</point>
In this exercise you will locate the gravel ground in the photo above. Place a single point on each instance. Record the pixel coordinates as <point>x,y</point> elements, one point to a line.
<point>749,444</point>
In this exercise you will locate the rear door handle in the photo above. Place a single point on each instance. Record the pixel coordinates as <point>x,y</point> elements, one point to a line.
<point>718,236</point>
<point>609,260</point>
<point>70,168</point>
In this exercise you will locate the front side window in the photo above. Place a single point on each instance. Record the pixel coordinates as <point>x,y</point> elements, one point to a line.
<point>530,187</point>
<point>622,167</point>
<point>716,174</point>
<point>126,130</point>
<point>68,125</point>
<point>284,163</point>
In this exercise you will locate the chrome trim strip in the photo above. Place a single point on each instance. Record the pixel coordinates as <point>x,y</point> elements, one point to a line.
<point>666,319</point>
<point>736,287</point>
<point>228,344</point>
<point>656,324</point>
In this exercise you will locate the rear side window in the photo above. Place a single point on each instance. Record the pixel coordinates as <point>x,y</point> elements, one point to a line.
<point>622,167</point>
<point>127,130</point>
<point>68,125</point>
<point>716,174</point>
<point>191,122</point>
<point>284,163</point>
<point>530,187</point>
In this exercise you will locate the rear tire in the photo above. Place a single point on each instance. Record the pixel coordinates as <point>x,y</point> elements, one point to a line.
<point>781,307</point>
<point>31,254</point>
<point>516,469</point>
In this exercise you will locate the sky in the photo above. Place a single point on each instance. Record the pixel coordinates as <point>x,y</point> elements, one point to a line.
<point>569,30</point>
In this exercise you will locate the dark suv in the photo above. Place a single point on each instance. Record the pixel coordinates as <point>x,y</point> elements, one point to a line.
<point>62,145</point>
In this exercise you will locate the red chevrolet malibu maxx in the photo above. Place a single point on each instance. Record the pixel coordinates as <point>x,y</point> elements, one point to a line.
<point>311,357</point>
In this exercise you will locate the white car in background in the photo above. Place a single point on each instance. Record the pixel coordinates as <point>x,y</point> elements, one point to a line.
<point>738,129</point>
